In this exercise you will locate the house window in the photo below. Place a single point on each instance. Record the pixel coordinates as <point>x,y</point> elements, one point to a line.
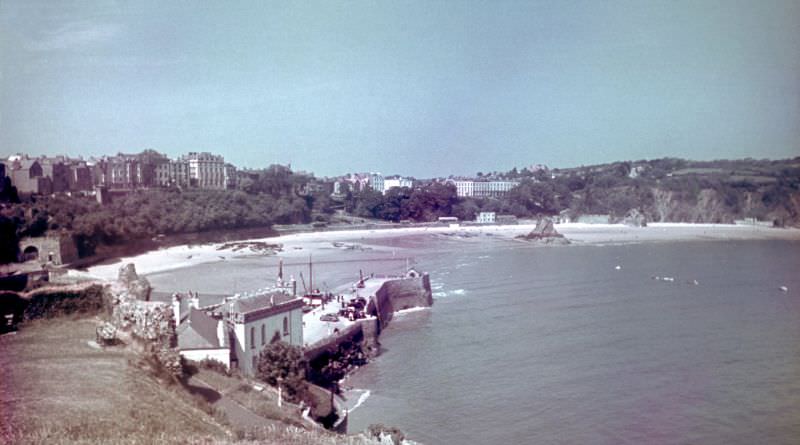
<point>263,335</point>
<point>285,326</point>
<point>252,338</point>
<point>255,364</point>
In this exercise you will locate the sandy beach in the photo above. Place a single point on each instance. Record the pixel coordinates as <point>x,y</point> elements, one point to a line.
<point>321,244</point>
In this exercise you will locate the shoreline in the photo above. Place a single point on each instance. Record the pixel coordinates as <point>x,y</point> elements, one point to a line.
<point>318,243</point>
<point>323,245</point>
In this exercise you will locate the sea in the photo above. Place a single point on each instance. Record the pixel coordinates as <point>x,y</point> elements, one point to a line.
<point>690,342</point>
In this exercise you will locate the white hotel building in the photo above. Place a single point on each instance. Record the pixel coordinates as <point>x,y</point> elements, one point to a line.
<point>483,189</point>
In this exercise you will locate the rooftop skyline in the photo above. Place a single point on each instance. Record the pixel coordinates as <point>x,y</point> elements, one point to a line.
<point>419,88</point>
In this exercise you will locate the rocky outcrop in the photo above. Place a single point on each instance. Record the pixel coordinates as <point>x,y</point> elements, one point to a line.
<point>137,287</point>
<point>544,233</point>
<point>635,218</point>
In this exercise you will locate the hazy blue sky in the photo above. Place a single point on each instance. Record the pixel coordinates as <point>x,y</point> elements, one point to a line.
<point>414,87</point>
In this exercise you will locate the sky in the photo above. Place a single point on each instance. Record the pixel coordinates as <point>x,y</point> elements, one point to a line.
<point>420,88</point>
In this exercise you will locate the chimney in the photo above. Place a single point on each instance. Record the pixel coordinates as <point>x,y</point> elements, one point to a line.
<point>272,300</point>
<point>194,301</point>
<point>176,308</point>
<point>294,287</point>
<point>221,332</point>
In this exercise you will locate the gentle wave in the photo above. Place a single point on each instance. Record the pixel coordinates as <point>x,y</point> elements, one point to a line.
<point>361,399</point>
<point>410,310</point>
<point>445,294</point>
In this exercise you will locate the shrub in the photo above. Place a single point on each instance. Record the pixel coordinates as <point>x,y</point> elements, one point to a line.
<point>284,363</point>
<point>54,303</point>
<point>214,365</point>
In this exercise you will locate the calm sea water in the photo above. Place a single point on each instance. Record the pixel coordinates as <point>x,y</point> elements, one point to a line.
<point>555,345</point>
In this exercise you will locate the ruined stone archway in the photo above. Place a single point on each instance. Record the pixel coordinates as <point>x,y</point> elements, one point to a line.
<point>31,253</point>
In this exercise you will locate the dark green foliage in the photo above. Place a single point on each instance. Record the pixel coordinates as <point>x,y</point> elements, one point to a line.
<point>49,304</point>
<point>280,361</point>
<point>401,203</point>
<point>9,247</point>
<point>8,193</point>
<point>214,365</point>
<point>146,214</point>
<point>330,367</point>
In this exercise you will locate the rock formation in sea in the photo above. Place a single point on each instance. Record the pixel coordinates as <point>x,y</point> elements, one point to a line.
<point>544,233</point>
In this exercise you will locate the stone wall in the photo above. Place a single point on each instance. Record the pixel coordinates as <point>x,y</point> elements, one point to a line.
<point>149,324</point>
<point>147,321</point>
<point>400,294</point>
<point>55,249</point>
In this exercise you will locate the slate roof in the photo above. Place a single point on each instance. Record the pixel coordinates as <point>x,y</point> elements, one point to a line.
<point>199,331</point>
<point>263,305</point>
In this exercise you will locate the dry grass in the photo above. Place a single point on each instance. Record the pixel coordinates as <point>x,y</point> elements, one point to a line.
<point>264,403</point>
<point>58,389</point>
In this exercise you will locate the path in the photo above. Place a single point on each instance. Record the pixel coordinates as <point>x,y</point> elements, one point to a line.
<point>239,416</point>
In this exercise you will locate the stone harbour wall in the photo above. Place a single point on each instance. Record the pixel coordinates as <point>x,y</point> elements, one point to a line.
<point>400,294</point>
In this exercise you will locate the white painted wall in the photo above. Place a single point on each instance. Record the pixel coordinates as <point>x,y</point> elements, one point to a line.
<point>244,350</point>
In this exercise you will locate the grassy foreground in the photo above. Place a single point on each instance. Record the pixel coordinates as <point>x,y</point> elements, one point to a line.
<point>55,388</point>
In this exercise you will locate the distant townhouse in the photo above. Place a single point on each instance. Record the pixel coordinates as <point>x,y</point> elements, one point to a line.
<point>122,171</point>
<point>80,176</point>
<point>206,170</point>
<point>149,162</point>
<point>58,171</point>
<point>396,181</point>
<point>28,177</point>
<point>172,173</point>
<point>376,182</point>
<point>359,181</point>
<point>231,179</point>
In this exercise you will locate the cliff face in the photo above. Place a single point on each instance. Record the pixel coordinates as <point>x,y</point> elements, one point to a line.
<point>710,206</point>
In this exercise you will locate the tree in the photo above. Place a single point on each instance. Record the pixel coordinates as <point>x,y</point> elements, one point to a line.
<point>8,240</point>
<point>283,363</point>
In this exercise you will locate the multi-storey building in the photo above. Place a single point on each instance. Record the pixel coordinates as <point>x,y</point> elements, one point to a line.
<point>122,171</point>
<point>80,176</point>
<point>58,171</point>
<point>206,170</point>
<point>172,173</point>
<point>483,189</point>
<point>397,181</point>
<point>376,182</point>
<point>231,180</point>
<point>28,177</point>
